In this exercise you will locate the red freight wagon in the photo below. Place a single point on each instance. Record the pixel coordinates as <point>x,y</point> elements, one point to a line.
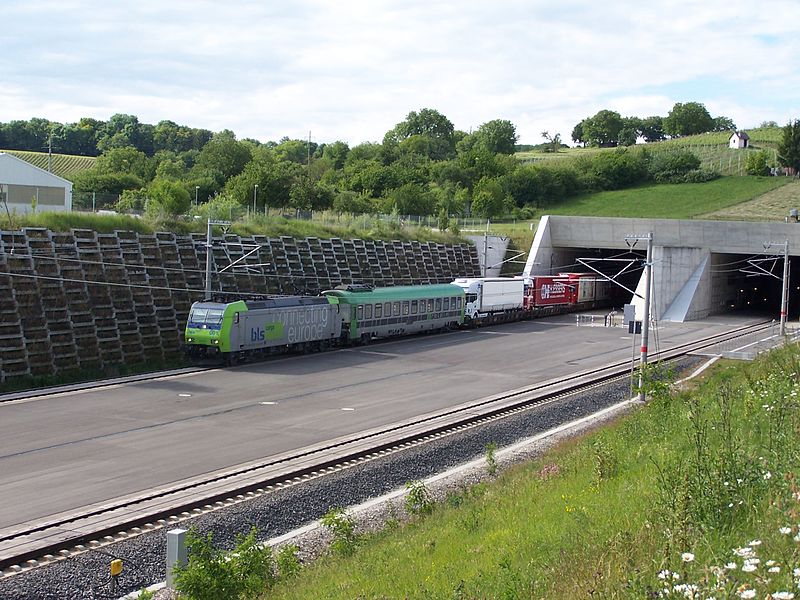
<point>550,291</point>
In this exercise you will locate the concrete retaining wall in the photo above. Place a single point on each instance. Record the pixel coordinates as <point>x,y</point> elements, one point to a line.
<point>54,317</point>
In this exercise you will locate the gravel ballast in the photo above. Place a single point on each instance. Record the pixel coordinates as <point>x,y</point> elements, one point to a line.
<point>284,510</point>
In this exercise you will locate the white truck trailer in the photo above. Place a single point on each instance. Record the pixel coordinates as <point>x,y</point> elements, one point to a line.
<point>488,297</point>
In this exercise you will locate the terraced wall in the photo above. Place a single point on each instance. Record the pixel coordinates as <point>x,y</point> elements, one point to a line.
<point>87,300</point>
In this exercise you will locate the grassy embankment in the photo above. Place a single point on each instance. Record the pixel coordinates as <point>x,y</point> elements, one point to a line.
<point>272,226</point>
<point>694,489</point>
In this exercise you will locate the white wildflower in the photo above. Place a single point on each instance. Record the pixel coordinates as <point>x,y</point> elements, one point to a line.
<point>747,594</point>
<point>769,563</point>
<point>767,475</point>
<point>748,567</point>
<point>731,566</point>
<point>782,596</point>
<point>754,543</point>
<point>743,552</point>
<point>687,557</point>
<point>785,530</point>
<point>663,574</point>
<point>774,570</point>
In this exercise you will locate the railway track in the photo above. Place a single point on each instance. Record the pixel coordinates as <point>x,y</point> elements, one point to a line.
<point>29,545</point>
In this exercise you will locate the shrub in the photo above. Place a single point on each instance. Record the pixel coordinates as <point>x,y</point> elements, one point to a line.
<point>212,573</point>
<point>756,163</point>
<point>700,176</point>
<point>343,529</point>
<point>670,167</point>
<point>418,498</point>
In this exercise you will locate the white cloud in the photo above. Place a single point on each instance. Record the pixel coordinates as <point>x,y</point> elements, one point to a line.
<point>353,70</point>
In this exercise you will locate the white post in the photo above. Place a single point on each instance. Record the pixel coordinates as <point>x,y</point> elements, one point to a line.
<point>646,317</point>
<point>176,553</point>
<point>785,288</point>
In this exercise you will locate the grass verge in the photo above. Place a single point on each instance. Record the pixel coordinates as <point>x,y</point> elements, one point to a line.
<point>693,495</point>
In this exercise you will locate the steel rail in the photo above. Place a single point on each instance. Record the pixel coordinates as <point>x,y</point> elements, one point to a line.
<point>125,517</point>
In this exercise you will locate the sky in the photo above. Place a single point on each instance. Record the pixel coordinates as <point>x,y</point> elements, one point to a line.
<point>351,70</point>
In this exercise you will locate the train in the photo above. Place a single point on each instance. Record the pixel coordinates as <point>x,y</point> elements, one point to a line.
<point>356,313</point>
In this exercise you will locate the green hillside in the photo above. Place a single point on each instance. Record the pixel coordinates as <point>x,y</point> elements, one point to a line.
<point>712,149</point>
<point>64,165</point>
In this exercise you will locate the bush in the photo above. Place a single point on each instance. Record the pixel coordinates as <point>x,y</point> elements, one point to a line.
<point>343,529</point>
<point>671,167</point>
<point>211,573</point>
<point>700,176</point>
<point>756,163</point>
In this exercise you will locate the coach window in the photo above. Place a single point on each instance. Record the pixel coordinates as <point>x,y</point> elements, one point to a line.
<point>413,307</point>
<point>387,309</point>
<point>438,305</point>
<point>368,311</point>
<point>378,311</point>
<point>458,300</point>
<point>430,306</point>
<point>360,313</point>
<point>446,304</point>
<point>395,309</point>
<point>405,308</point>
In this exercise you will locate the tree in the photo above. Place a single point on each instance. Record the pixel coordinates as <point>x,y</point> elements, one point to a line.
<point>498,136</point>
<point>428,123</point>
<point>553,141</point>
<point>412,199</point>
<point>789,146</point>
<point>488,200</point>
<point>127,160</point>
<point>224,156</point>
<point>756,163</point>
<point>688,119</point>
<point>578,135</point>
<point>724,124</point>
<point>766,124</point>
<point>167,198</point>
<point>336,153</point>
<point>652,129</point>
<point>603,129</point>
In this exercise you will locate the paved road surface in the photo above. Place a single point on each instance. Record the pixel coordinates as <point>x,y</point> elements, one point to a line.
<point>61,452</point>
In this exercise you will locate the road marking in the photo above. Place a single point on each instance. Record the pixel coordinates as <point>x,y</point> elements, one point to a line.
<point>348,408</point>
<point>185,395</point>
<point>268,403</point>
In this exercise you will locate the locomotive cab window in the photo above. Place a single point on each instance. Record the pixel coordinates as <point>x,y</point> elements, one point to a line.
<point>360,312</point>
<point>472,297</point>
<point>438,305</point>
<point>405,308</point>
<point>368,311</point>
<point>413,307</point>
<point>378,311</point>
<point>395,309</point>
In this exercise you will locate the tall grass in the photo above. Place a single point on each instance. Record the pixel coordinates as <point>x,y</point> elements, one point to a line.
<point>684,492</point>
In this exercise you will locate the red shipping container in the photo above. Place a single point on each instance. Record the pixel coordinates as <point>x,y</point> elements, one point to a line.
<point>550,291</point>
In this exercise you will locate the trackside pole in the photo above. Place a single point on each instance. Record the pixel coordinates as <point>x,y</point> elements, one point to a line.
<point>208,262</point>
<point>648,270</point>
<point>785,288</point>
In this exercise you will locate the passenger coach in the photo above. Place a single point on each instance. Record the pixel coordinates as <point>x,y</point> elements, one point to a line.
<point>402,310</point>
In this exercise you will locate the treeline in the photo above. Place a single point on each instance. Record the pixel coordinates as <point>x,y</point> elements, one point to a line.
<point>423,166</point>
<point>609,129</point>
<point>91,137</point>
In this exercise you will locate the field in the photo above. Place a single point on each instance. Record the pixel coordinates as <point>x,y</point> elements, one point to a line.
<point>772,206</point>
<point>695,491</point>
<point>64,165</point>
